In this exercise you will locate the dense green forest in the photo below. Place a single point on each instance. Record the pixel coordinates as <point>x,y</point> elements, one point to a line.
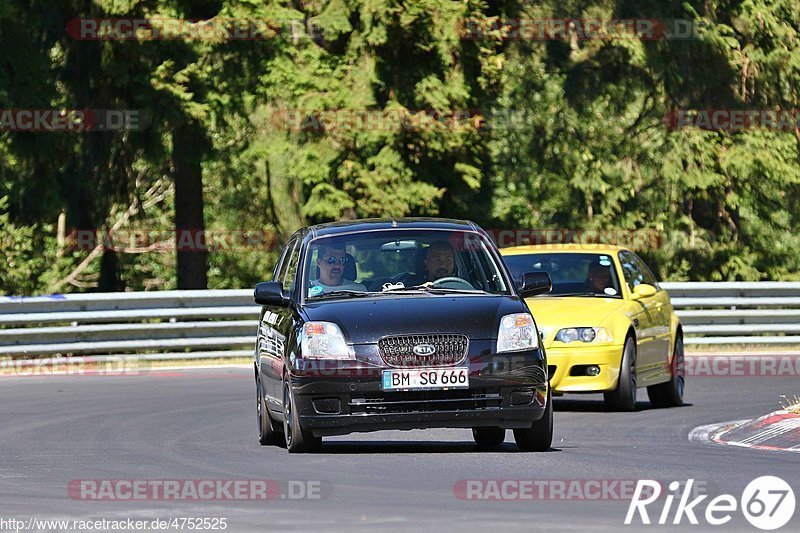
<point>346,109</point>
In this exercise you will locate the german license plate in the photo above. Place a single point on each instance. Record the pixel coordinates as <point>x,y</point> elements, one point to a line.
<point>426,378</point>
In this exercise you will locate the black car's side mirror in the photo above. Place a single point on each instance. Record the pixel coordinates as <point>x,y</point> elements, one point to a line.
<point>270,293</point>
<point>534,283</point>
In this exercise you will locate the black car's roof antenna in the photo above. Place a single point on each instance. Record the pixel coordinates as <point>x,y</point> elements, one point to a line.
<point>394,222</point>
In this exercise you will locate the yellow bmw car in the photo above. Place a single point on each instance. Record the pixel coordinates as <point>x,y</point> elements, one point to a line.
<point>606,325</point>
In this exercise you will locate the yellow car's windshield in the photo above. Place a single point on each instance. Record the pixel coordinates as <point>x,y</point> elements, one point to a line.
<point>573,274</point>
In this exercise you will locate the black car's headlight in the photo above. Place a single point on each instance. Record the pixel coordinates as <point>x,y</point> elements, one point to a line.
<point>598,335</point>
<point>517,332</point>
<point>324,340</point>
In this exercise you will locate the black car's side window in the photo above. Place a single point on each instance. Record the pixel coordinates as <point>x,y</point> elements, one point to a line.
<point>280,267</point>
<point>292,260</point>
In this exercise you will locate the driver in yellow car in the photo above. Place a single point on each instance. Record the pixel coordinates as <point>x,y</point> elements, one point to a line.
<point>599,278</point>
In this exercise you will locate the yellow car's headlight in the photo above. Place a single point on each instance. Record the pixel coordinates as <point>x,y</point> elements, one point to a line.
<point>596,335</point>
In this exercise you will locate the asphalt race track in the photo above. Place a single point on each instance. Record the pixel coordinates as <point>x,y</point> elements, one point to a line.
<point>201,424</point>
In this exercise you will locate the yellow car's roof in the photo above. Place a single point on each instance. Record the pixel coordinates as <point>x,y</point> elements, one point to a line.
<point>609,249</point>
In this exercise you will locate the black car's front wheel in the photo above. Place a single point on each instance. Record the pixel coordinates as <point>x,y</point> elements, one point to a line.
<point>298,440</point>
<point>266,431</point>
<point>539,436</point>
<point>490,437</point>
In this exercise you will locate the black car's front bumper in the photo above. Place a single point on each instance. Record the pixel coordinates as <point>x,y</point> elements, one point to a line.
<point>506,390</point>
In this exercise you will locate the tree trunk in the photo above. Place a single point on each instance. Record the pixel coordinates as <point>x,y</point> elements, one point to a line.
<point>187,143</point>
<point>109,273</point>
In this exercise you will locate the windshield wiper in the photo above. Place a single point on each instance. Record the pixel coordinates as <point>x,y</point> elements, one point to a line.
<point>341,292</point>
<point>431,289</point>
<point>463,291</point>
<point>409,288</point>
<point>577,294</point>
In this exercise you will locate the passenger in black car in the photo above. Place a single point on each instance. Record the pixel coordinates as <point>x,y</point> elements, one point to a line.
<point>332,262</point>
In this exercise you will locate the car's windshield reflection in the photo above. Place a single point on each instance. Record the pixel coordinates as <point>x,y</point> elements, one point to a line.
<point>386,262</point>
<point>573,274</point>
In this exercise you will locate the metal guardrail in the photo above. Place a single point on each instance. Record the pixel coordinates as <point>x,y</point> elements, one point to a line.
<point>197,324</point>
<point>223,323</point>
<point>713,313</point>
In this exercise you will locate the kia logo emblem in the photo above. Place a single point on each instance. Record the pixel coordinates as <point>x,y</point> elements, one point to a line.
<point>424,350</point>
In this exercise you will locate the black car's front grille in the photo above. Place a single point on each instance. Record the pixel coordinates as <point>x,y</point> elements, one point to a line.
<point>399,351</point>
<point>424,401</point>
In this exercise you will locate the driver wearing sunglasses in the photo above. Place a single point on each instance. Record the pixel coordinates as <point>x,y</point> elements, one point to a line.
<point>332,260</point>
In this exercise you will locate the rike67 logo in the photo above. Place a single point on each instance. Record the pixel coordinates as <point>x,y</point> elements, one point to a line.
<point>767,503</point>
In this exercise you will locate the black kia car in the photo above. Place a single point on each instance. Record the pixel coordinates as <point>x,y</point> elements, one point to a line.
<point>399,324</point>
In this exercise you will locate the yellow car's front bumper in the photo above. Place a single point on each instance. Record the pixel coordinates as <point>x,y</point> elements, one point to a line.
<point>565,364</point>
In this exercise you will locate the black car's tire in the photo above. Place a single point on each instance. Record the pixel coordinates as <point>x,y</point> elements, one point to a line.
<point>670,394</point>
<point>623,397</point>
<point>266,426</point>
<point>539,436</point>
<point>298,440</point>
<point>489,437</point>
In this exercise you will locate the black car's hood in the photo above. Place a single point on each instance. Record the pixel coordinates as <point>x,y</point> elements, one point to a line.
<point>365,320</point>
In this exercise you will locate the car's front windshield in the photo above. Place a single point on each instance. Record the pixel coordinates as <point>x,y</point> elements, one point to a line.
<point>573,274</point>
<point>396,261</point>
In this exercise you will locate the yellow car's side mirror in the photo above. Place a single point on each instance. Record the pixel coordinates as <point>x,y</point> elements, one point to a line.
<point>643,290</point>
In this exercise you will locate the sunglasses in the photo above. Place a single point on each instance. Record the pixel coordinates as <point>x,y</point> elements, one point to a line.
<point>331,260</point>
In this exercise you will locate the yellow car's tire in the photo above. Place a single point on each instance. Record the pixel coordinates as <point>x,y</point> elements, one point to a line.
<point>623,397</point>
<point>670,394</point>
